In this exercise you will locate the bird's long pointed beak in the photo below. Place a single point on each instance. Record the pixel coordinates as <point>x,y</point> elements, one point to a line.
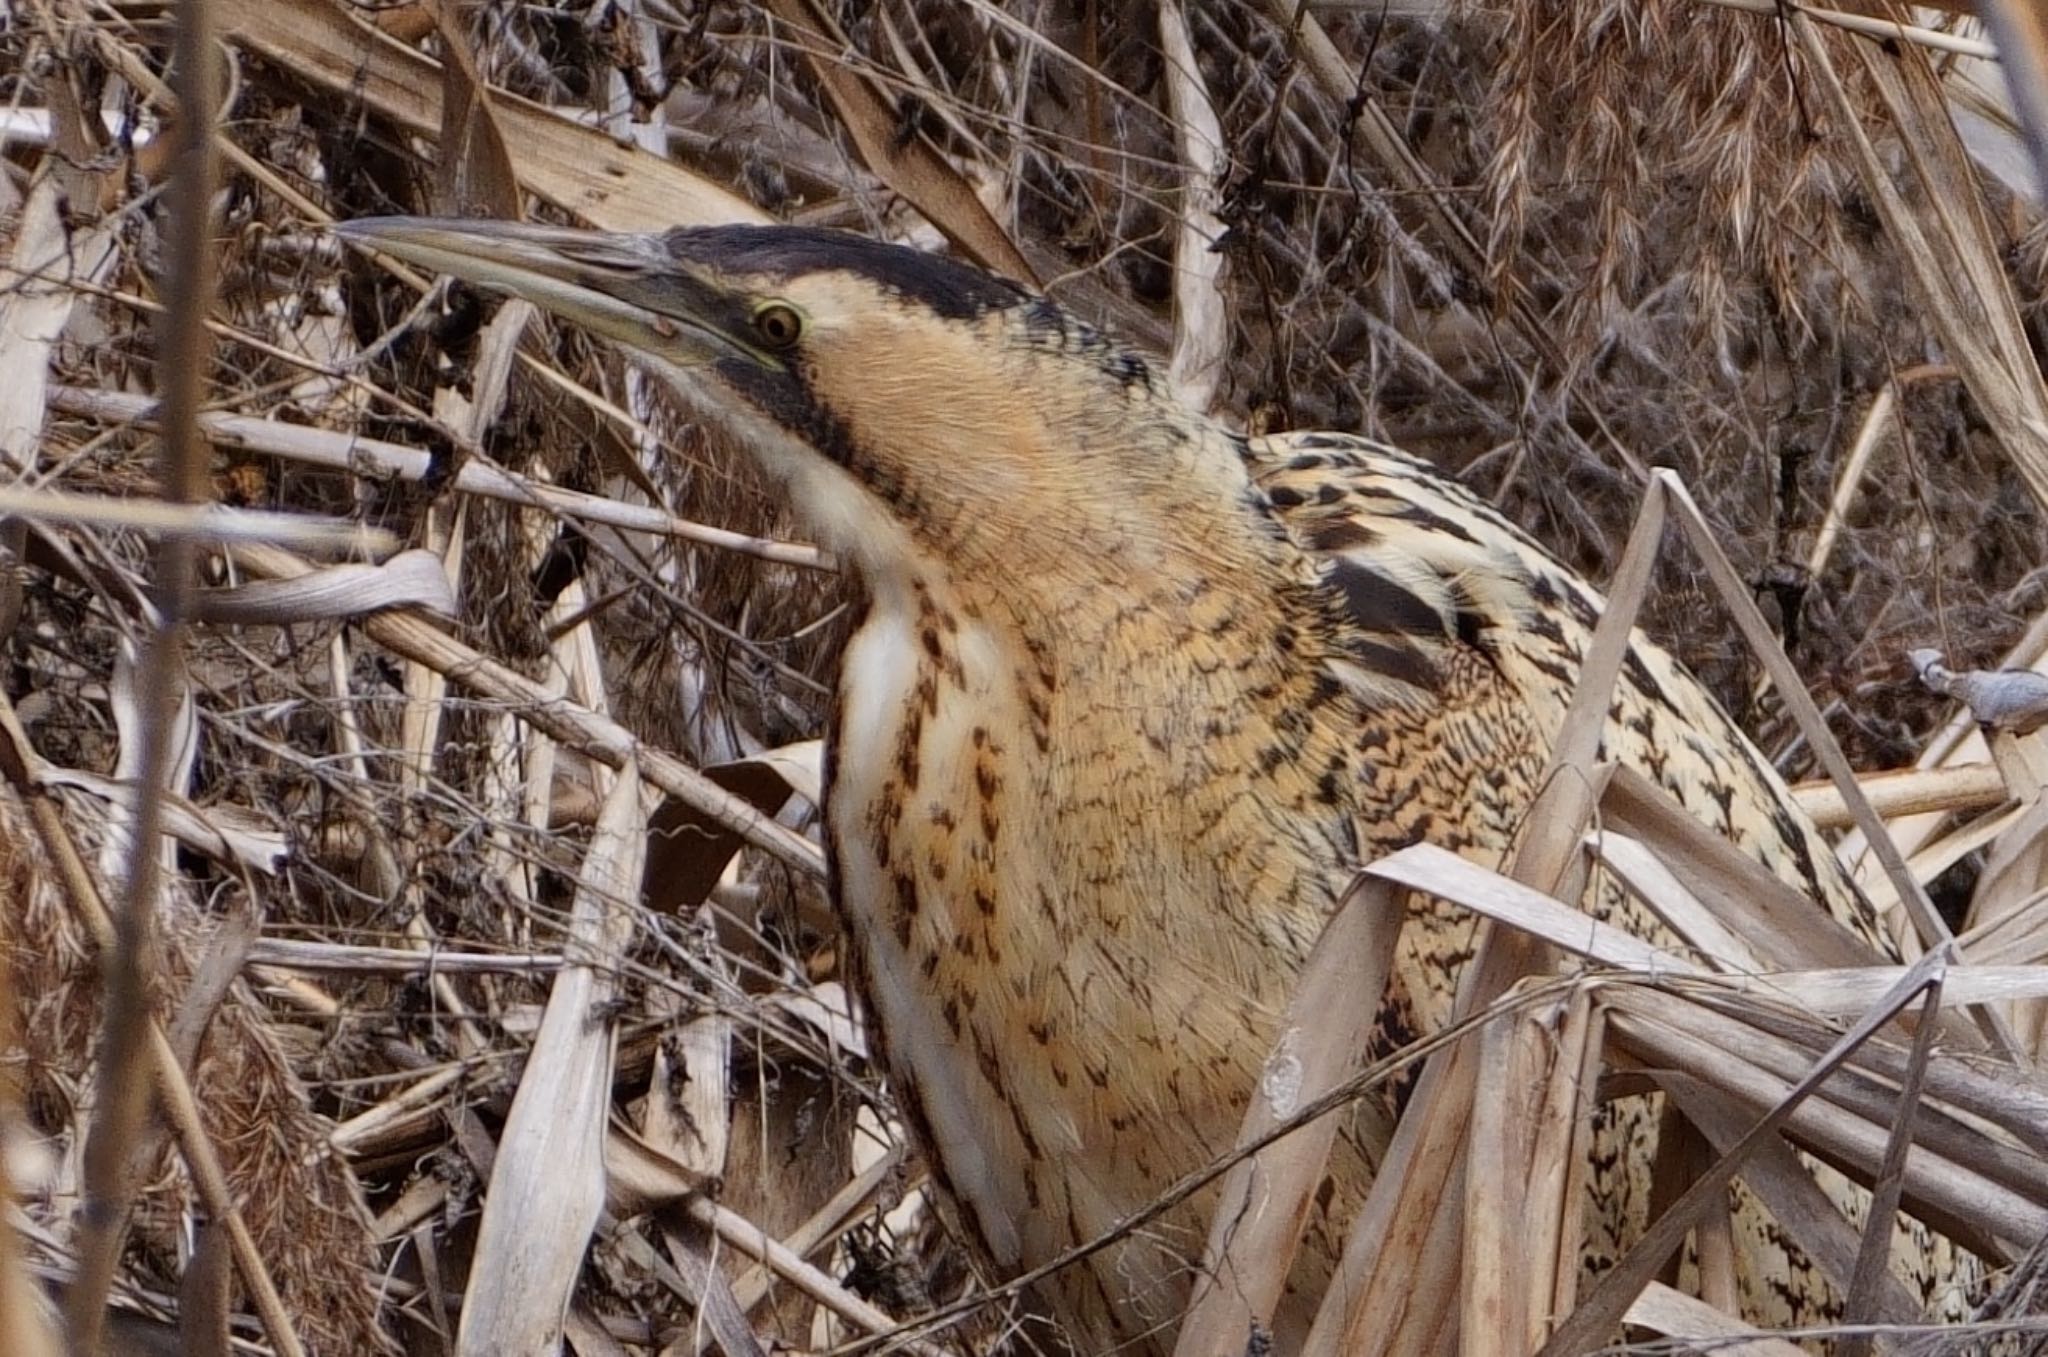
<point>624,287</point>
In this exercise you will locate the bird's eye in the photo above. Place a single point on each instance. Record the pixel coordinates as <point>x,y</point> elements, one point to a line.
<point>778,324</point>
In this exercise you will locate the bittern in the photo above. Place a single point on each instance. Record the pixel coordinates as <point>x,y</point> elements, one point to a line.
<point>1132,697</point>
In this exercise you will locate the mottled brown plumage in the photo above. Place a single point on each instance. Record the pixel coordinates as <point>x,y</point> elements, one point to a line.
<point>1131,699</point>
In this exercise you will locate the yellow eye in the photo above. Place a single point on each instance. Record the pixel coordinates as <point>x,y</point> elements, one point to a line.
<point>778,324</point>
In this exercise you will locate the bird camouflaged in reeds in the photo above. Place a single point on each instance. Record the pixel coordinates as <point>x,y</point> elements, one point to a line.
<point>1131,699</point>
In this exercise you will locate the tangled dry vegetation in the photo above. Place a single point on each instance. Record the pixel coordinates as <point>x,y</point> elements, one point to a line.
<point>407,970</point>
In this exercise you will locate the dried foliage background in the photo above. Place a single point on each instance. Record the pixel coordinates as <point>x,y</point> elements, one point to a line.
<point>1548,245</point>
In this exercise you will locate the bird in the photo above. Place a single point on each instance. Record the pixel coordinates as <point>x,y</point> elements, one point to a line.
<point>1131,697</point>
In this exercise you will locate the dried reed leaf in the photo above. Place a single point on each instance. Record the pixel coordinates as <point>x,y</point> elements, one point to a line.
<point>1777,921</point>
<point>1435,871</point>
<point>642,1177</point>
<point>1843,993</point>
<point>548,1183</point>
<point>689,850</point>
<point>579,169</point>
<point>1683,912</point>
<point>411,579</point>
<point>908,164</point>
<point>1256,1226</point>
<point>689,1110</point>
<point>692,1250</point>
<point>224,833</point>
<point>1662,1310</point>
<point>474,172</point>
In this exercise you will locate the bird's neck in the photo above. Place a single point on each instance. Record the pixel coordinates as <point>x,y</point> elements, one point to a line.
<point>1158,616</point>
<point>1120,756</point>
<point>1084,515</point>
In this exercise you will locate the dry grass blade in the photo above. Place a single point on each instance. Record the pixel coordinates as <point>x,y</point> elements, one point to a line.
<point>1872,1257</point>
<point>547,1185</point>
<point>1660,1309</point>
<point>1870,433</point>
<point>1775,920</point>
<point>1256,1228</point>
<point>1436,871</point>
<point>411,579</point>
<point>1398,1258</point>
<point>1687,916</point>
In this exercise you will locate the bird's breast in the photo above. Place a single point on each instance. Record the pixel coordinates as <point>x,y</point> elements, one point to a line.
<point>1075,914</point>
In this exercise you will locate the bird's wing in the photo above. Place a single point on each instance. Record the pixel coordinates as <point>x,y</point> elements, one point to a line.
<point>1418,555</point>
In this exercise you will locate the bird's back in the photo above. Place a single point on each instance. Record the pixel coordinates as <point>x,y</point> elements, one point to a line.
<point>1473,585</point>
<point>1417,560</point>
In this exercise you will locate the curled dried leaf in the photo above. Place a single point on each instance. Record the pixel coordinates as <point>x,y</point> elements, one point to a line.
<point>411,579</point>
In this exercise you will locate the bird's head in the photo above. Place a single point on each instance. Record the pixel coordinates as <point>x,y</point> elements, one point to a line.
<point>924,415</point>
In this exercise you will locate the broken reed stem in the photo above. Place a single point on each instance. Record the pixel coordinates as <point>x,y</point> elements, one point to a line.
<point>1909,791</point>
<point>1255,1228</point>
